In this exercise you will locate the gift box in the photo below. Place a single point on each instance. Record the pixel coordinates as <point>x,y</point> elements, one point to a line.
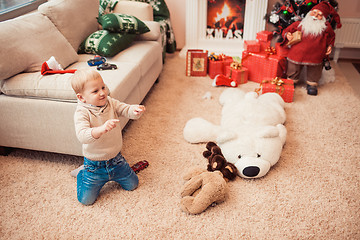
<point>196,62</point>
<point>218,66</point>
<point>264,45</point>
<point>237,72</point>
<point>252,46</point>
<point>296,38</point>
<point>263,65</point>
<point>284,87</point>
<point>264,36</point>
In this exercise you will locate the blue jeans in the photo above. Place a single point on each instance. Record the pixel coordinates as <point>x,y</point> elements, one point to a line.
<point>95,174</point>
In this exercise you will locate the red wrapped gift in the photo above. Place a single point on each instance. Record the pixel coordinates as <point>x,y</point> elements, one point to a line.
<point>218,66</point>
<point>237,72</point>
<point>252,46</point>
<point>215,68</point>
<point>196,62</point>
<point>264,65</point>
<point>284,87</point>
<point>264,45</point>
<point>227,62</point>
<point>264,36</point>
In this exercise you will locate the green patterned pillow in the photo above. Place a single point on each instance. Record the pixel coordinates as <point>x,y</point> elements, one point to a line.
<point>117,22</point>
<point>105,43</point>
<point>106,6</point>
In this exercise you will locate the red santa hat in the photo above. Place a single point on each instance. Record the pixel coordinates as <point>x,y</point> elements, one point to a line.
<point>221,80</point>
<point>51,66</point>
<point>326,10</point>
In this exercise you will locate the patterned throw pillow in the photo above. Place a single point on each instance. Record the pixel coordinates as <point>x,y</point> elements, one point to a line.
<point>106,6</point>
<point>105,43</point>
<point>123,23</point>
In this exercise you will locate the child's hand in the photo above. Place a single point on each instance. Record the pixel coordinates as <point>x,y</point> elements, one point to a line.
<point>109,125</point>
<point>97,132</point>
<point>139,110</point>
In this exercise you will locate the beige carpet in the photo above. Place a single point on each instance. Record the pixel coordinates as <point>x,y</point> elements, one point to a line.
<point>312,193</point>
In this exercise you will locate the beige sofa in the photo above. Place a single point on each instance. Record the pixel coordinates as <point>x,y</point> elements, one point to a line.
<point>36,111</point>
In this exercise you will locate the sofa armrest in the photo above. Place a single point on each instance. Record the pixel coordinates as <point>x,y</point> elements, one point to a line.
<point>153,35</point>
<point>141,10</point>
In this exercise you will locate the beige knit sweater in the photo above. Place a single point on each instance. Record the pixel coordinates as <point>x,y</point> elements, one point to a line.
<point>87,117</point>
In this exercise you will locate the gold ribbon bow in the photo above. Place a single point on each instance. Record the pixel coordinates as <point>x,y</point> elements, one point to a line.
<point>270,51</point>
<point>235,65</point>
<point>276,81</point>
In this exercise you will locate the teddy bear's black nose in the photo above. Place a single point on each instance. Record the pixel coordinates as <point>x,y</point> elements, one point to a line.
<point>251,171</point>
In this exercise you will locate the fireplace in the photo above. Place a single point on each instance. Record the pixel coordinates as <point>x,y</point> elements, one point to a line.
<point>225,19</point>
<point>221,26</point>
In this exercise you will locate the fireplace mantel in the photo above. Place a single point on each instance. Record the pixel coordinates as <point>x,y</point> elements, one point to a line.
<point>196,15</point>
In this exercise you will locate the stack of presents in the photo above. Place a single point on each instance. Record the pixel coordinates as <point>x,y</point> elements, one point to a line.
<point>260,63</point>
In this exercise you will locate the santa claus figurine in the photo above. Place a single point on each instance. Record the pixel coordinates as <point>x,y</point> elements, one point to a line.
<point>310,41</point>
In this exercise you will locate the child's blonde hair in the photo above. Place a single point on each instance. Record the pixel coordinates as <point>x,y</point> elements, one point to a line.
<point>81,77</point>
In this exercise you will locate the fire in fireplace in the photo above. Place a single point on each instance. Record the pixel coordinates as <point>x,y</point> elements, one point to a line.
<point>225,19</point>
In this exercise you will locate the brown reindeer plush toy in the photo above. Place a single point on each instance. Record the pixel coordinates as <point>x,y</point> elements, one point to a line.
<point>218,162</point>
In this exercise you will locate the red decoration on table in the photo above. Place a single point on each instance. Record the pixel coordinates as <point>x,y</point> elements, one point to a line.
<point>196,62</point>
<point>284,87</point>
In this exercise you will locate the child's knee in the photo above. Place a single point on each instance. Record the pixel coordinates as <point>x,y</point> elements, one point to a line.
<point>132,184</point>
<point>86,201</point>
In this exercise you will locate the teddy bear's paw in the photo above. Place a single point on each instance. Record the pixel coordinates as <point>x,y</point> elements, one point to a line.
<point>186,205</point>
<point>192,173</point>
<point>199,130</point>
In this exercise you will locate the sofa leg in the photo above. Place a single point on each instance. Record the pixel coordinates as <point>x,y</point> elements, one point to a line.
<point>4,151</point>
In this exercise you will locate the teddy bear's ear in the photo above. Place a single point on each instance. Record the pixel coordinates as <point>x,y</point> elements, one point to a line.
<point>226,136</point>
<point>217,162</point>
<point>210,145</point>
<point>216,150</point>
<point>268,132</point>
<point>206,154</point>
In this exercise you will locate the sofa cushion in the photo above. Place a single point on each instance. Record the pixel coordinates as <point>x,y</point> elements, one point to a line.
<point>117,22</point>
<point>140,53</point>
<point>121,82</point>
<point>105,43</point>
<point>58,86</point>
<point>75,19</point>
<point>30,40</point>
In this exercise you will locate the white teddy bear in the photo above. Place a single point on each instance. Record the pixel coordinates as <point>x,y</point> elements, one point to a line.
<point>251,134</point>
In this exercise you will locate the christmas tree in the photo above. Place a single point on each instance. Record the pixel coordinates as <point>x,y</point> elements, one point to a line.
<point>288,11</point>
